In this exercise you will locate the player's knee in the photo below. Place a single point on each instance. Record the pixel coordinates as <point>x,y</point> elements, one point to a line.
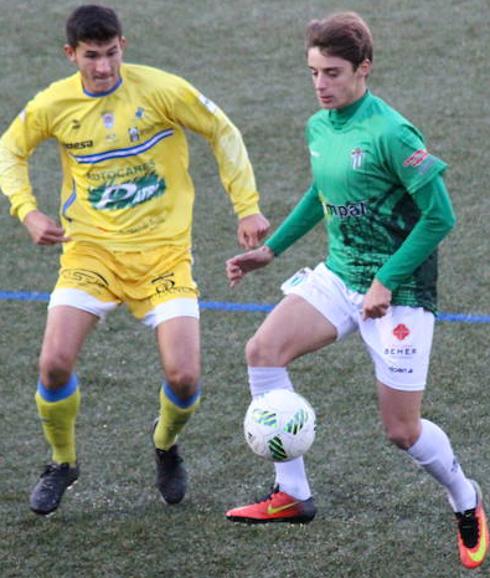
<point>55,370</point>
<point>263,352</point>
<point>401,435</point>
<point>183,381</point>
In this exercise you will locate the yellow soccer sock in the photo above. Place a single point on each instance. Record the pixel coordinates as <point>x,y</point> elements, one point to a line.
<point>58,410</point>
<point>174,414</point>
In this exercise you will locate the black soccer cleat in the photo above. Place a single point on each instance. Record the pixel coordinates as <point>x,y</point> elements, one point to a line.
<point>47,493</point>
<point>171,479</point>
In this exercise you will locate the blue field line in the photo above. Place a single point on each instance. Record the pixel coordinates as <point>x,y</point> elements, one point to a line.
<point>248,307</point>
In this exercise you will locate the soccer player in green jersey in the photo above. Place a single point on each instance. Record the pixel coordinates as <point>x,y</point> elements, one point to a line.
<point>126,216</point>
<point>383,201</point>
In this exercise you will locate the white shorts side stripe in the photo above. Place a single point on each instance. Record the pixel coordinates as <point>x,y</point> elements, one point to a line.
<point>185,307</point>
<point>81,300</point>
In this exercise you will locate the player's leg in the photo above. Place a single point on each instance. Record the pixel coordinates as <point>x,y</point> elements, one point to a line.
<point>425,442</point>
<point>400,345</point>
<point>83,294</point>
<point>315,313</point>
<point>429,446</point>
<point>292,329</point>
<point>179,347</point>
<point>58,399</point>
<point>178,342</point>
<point>166,300</point>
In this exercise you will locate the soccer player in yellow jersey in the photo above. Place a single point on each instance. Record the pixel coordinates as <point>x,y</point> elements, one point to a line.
<point>126,215</point>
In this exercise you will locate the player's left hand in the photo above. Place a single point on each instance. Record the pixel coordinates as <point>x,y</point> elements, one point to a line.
<point>251,230</point>
<point>376,302</point>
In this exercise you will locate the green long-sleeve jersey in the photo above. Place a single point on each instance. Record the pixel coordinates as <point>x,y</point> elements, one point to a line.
<point>381,196</point>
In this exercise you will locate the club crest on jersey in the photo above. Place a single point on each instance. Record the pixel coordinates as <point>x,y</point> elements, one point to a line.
<point>134,134</point>
<point>108,119</point>
<point>140,113</point>
<point>357,156</point>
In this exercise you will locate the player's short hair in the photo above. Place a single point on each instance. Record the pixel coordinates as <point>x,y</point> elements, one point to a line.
<point>345,35</point>
<point>92,23</point>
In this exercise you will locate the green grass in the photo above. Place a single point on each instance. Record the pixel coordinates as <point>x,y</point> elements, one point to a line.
<point>379,516</point>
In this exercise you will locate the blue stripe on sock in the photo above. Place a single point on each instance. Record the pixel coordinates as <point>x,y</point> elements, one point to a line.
<point>58,394</point>
<point>176,400</point>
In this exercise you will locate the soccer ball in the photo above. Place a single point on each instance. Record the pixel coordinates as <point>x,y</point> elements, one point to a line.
<point>279,425</point>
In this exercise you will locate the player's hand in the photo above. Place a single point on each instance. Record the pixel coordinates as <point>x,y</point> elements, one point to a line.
<point>252,230</point>
<point>43,230</point>
<point>376,302</point>
<point>238,266</point>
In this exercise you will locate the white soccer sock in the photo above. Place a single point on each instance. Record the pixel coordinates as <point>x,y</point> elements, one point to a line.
<point>290,476</point>
<point>434,453</point>
<point>264,379</point>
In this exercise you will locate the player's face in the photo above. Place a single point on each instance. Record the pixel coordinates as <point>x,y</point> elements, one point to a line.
<point>336,82</point>
<point>99,63</point>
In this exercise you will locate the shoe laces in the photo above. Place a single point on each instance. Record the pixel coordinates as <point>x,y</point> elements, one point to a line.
<point>469,528</point>
<point>51,475</point>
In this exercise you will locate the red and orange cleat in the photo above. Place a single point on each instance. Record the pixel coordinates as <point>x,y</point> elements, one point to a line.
<point>473,533</point>
<point>275,507</point>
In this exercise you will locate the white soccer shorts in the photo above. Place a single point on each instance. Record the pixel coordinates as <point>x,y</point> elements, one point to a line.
<point>399,343</point>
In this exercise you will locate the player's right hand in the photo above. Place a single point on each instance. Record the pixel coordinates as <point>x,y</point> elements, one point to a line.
<point>238,266</point>
<point>43,230</point>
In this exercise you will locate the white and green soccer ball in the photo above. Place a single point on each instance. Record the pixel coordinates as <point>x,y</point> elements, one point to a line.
<point>279,425</point>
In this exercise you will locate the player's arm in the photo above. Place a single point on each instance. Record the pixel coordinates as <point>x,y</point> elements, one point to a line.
<point>194,111</point>
<point>436,221</point>
<point>305,215</point>
<point>14,180</point>
<point>410,164</point>
<point>16,145</point>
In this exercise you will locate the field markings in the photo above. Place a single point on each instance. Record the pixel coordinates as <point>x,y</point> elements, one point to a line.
<point>247,307</point>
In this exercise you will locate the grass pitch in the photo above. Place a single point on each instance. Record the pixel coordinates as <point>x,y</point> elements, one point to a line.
<point>379,516</point>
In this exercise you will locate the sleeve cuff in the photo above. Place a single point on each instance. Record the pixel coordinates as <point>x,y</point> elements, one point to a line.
<point>246,212</point>
<point>22,211</point>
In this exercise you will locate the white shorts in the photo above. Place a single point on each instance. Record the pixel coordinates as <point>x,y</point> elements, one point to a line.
<point>399,343</point>
<point>183,307</point>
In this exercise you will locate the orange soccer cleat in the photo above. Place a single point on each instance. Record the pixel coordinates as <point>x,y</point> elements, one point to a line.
<point>275,507</point>
<point>473,533</point>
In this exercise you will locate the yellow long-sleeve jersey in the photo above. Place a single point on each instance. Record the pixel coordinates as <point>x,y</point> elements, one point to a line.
<point>124,157</point>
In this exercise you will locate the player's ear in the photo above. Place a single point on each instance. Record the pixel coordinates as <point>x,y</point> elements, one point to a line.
<point>69,52</point>
<point>124,42</point>
<point>365,67</point>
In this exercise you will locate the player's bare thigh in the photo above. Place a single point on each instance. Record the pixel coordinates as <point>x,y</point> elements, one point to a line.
<point>180,353</point>
<point>293,328</point>
<point>64,335</point>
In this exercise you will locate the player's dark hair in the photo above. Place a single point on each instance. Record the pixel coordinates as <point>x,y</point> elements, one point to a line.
<point>92,23</point>
<point>344,35</point>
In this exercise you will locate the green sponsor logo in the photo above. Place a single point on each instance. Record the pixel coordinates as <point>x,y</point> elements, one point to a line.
<point>122,195</point>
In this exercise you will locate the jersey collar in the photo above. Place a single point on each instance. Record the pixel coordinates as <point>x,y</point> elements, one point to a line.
<point>340,116</point>
<point>101,94</point>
